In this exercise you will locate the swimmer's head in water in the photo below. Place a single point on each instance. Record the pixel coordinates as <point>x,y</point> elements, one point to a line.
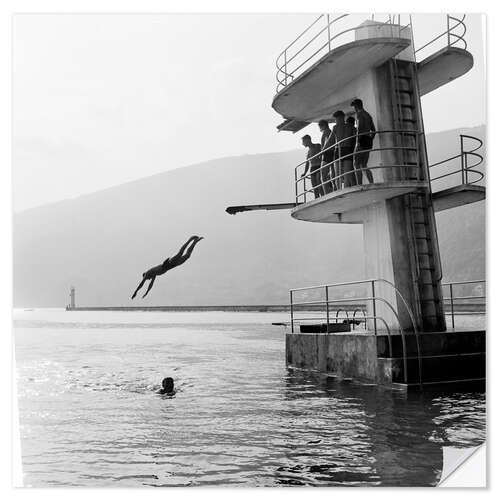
<point>168,384</point>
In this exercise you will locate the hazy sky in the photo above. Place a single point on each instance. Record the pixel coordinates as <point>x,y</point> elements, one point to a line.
<point>103,99</point>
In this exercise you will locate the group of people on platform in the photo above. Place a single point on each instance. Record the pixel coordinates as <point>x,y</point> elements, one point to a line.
<point>342,157</point>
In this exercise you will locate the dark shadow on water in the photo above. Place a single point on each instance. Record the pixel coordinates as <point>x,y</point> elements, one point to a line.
<point>372,436</point>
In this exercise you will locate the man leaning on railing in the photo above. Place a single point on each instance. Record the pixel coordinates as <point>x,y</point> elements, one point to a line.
<point>314,163</point>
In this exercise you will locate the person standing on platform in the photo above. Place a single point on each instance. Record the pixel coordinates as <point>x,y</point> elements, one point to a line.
<point>346,140</point>
<point>313,163</point>
<point>352,121</point>
<point>364,143</point>
<point>327,166</point>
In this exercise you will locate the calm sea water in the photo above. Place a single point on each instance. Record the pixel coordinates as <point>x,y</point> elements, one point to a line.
<point>89,414</point>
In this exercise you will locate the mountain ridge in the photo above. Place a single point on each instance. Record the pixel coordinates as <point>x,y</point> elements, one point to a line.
<point>101,242</point>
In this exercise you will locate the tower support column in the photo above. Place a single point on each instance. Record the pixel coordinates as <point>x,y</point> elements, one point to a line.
<point>400,238</point>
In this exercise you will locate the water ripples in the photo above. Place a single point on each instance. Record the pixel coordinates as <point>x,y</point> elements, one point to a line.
<point>90,415</point>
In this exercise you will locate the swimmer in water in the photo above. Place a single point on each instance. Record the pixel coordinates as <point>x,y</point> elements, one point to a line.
<point>168,264</point>
<point>167,386</point>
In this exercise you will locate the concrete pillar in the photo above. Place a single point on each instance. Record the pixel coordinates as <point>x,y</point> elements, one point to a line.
<point>391,227</point>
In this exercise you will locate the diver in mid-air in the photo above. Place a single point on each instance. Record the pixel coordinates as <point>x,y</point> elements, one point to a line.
<point>168,264</point>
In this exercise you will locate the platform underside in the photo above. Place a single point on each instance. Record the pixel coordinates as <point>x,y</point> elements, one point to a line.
<point>344,205</point>
<point>443,67</point>
<point>302,101</point>
<point>457,196</point>
<point>303,98</point>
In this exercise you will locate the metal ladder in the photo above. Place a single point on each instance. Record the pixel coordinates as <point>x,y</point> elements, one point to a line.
<point>420,214</point>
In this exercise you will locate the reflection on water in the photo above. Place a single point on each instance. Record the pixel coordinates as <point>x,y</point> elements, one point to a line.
<point>90,416</point>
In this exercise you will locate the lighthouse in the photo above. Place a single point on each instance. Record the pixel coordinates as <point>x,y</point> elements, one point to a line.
<point>393,331</point>
<point>72,303</point>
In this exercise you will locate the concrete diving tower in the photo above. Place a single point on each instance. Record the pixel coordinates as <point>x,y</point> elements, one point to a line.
<point>400,240</point>
<point>390,328</point>
<point>393,196</point>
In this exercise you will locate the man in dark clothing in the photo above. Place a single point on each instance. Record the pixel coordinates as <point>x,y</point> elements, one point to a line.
<point>314,163</point>
<point>179,258</point>
<point>327,166</point>
<point>346,140</point>
<point>352,121</point>
<point>365,134</point>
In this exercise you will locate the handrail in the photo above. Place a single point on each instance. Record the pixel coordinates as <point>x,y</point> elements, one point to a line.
<point>453,298</point>
<point>336,148</point>
<point>302,34</point>
<point>373,298</point>
<point>329,23</point>
<point>283,60</point>
<point>454,33</point>
<point>465,168</point>
<point>284,54</point>
<point>458,38</point>
<point>449,33</point>
<point>468,282</point>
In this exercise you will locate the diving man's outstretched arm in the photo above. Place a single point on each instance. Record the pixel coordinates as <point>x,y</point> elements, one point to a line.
<point>139,287</point>
<point>150,286</point>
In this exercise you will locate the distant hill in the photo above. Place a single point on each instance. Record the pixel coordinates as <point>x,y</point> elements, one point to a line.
<point>102,242</point>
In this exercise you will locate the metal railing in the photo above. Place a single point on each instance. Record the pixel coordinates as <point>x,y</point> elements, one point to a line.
<point>325,33</point>
<point>330,175</point>
<point>329,31</point>
<point>467,171</point>
<point>352,319</point>
<point>452,37</point>
<point>455,300</point>
<point>373,299</point>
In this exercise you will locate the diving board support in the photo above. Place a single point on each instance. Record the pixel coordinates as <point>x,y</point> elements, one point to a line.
<point>269,206</point>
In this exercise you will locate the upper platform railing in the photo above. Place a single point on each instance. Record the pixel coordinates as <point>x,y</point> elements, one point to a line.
<point>467,172</point>
<point>386,164</point>
<point>329,31</point>
<point>454,34</point>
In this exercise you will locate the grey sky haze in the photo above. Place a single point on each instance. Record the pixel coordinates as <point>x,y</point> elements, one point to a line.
<point>99,100</point>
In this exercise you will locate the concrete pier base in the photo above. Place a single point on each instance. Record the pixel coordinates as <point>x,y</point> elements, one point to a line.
<point>347,355</point>
<point>439,358</point>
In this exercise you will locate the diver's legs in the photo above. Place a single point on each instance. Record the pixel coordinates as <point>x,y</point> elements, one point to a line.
<point>139,287</point>
<point>149,287</point>
<point>191,248</point>
<point>183,247</point>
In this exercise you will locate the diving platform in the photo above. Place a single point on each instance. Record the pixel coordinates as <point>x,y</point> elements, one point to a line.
<point>333,332</point>
<point>457,196</point>
<point>306,95</point>
<point>344,205</point>
<point>443,67</point>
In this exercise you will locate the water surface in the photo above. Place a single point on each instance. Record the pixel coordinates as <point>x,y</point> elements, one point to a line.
<point>90,416</point>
